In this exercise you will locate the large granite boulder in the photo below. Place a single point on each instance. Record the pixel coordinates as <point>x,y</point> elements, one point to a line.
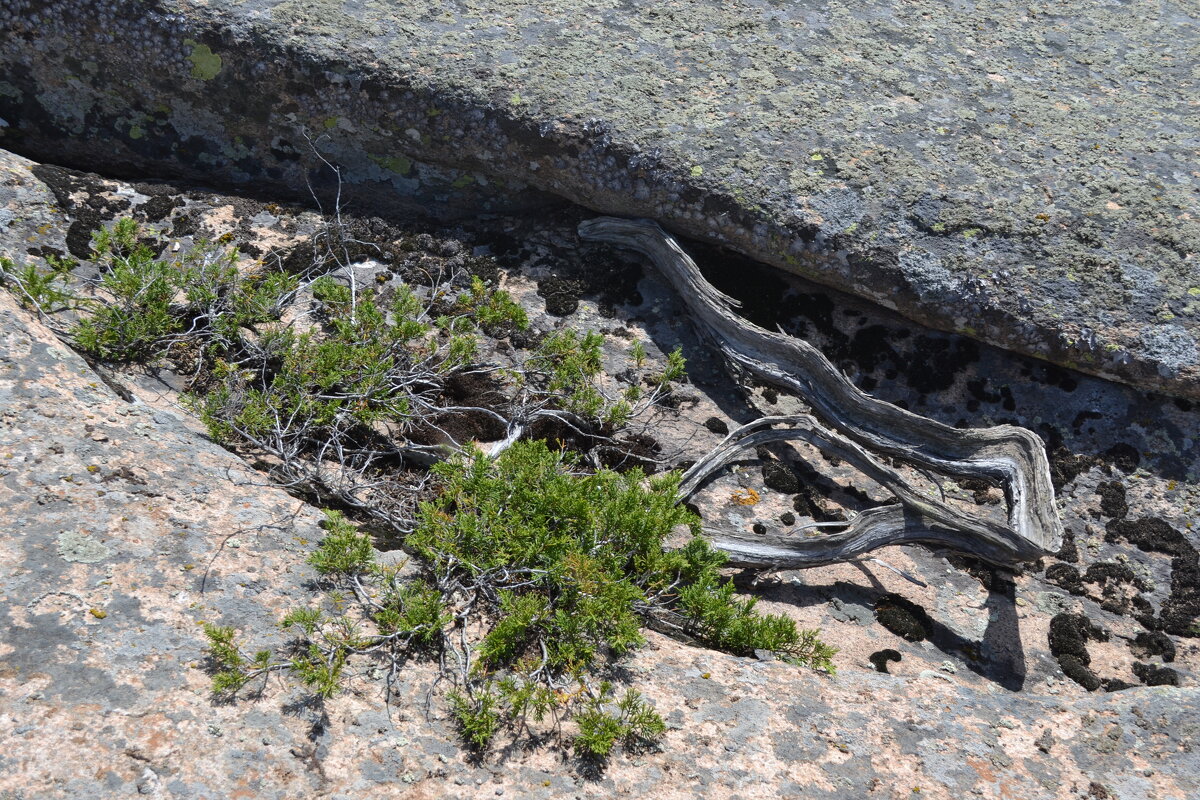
<point>122,528</point>
<point>1021,174</point>
<point>125,530</point>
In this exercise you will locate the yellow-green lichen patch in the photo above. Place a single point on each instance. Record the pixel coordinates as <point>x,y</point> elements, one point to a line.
<point>397,164</point>
<point>1194,291</point>
<point>136,132</point>
<point>697,171</point>
<point>205,63</point>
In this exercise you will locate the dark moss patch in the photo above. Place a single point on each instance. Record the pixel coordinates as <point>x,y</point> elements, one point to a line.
<point>717,426</point>
<point>903,617</point>
<point>157,208</point>
<point>934,362</point>
<point>1154,675</point>
<point>1182,606</point>
<point>1069,551</point>
<point>1115,685</point>
<point>561,295</point>
<point>872,346</point>
<point>1082,418</point>
<point>759,528</point>
<point>79,195</point>
<point>473,390</point>
<point>1112,499</point>
<point>787,518</point>
<point>1069,635</point>
<point>780,477</point>
<point>988,576</point>
<point>1066,466</point>
<point>45,252</point>
<point>757,286</point>
<point>1153,643</point>
<point>810,503</point>
<point>1108,571</point>
<point>880,658</point>
<point>980,490</point>
<point>185,225</point>
<point>1124,457</point>
<point>1051,375</point>
<point>637,450</point>
<point>1066,577</point>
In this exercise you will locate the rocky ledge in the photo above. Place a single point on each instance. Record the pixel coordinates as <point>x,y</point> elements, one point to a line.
<point>1024,175</point>
<point>125,528</point>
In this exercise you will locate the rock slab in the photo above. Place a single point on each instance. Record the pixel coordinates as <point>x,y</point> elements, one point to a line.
<point>1022,174</point>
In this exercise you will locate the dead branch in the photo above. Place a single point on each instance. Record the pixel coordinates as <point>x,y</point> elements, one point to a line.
<point>1011,455</point>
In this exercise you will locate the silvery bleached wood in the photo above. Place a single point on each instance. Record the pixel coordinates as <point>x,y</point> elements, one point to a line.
<point>1010,455</point>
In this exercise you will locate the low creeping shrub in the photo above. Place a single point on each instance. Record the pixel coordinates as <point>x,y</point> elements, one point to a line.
<point>555,572</point>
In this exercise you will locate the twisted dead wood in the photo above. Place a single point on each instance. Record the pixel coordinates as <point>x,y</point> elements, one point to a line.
<point>1010,455</point>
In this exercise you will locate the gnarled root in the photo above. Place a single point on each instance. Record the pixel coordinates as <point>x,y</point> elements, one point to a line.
<point>1011,455</point>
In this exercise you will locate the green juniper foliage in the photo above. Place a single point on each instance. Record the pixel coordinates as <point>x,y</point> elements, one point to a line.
<point>603,723</point>
<point>575,565</point>
<point>42,290</point>
<point>562,568</point>
<point>544,573</point>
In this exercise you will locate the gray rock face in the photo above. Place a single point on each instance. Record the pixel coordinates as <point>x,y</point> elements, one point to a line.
<point>1024,175</point>
<point>122,527</point>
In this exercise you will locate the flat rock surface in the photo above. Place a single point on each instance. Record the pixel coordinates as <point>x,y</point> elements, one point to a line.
<point>123,528</point>
<point>1024,174</point>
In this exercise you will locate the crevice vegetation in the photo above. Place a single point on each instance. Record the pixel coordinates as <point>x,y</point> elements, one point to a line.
<point>537,567</point>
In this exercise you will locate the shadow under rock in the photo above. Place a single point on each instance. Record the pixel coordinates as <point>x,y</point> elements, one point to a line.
<point>998,655</point>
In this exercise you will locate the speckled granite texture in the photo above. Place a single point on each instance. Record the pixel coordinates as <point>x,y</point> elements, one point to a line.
<point>1025,174</point>
<point>124,530</point>
<point>122,527</point>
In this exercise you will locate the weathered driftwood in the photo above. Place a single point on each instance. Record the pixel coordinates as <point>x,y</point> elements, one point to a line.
<point>1010,455</point>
